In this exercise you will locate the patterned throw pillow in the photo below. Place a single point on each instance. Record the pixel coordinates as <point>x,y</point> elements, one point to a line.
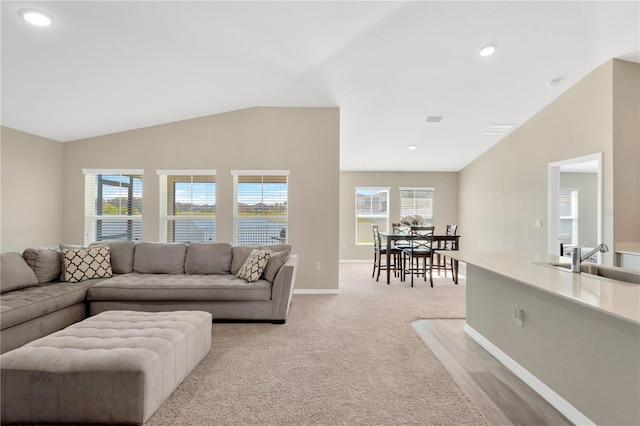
<point>86,264</point>
<point>252,268</point>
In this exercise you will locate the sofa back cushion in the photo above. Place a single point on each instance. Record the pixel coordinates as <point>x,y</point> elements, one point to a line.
<point>240,253</point>
<point>208,258</point>
<point>45,262</point>
<point>122,253</point>
<point>159,258</point>
<point>16,273</point>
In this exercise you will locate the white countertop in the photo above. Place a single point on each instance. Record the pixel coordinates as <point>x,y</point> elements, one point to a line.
<point>628,248</point>
<point>616,298</point>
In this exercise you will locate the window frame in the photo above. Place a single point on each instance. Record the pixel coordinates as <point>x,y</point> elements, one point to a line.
<point>368,217</point>
<point>282,235</point>
<point>167,177</point>
<point>574,194</point>
<point>429,219</point>
<point>94,184</point>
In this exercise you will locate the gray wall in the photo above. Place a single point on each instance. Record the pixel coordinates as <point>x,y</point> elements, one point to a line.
<point>504,191</point>
<point>31,176</point>
<point>445,202</point>
<point>587,357</point>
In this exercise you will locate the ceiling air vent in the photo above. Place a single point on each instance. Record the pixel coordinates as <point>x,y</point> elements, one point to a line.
<point>434,118</point>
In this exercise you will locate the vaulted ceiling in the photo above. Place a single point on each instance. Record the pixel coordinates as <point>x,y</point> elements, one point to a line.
<point>104,67</point>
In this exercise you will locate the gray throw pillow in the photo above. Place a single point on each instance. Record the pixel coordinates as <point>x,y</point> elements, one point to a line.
<point>208,258</point>
<point>276,260</point>
<point>45,262</point>
<point>15,273</point>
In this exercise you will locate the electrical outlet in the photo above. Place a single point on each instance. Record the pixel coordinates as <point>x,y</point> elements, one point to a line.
<point>538,223</point>
<point>317,266</point>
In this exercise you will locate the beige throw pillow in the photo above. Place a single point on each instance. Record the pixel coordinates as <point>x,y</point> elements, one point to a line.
<point>86,264</point>
<point>252,268</point>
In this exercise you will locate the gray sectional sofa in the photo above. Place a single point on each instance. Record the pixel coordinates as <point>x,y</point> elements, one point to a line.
<point>37,300</point>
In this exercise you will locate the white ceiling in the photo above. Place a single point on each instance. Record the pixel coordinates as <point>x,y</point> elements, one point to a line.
<point>105,67</point>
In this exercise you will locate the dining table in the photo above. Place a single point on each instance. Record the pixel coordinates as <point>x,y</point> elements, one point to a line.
<point>439,240</point>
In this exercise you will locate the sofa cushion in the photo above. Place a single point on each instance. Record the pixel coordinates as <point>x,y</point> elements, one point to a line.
<point>45,262</point>
<point>122,253</point>
<point>240,253</point>
<point>16,273</point>
<point>28,303</point>
<point>177,287</point>
<point>159,258</point>
<point>276,260</point>
<point>208,258</point>
<point>252,268</point>
<point>85,264</point>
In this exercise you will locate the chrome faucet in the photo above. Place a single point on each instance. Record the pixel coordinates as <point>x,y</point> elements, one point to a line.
<point>576,259</point>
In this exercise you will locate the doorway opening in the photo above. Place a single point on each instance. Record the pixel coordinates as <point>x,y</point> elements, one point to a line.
<point>575,204</point>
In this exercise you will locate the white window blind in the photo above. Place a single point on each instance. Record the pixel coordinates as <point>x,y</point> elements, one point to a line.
<point>187,205</point>
<point>113,205</point>
<point>372,207</point>
<point>260,208</point>
<point>568,216</point>
<point>417,201</point>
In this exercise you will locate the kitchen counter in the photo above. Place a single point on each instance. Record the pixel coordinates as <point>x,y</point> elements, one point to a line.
<point>616,298</point>
<point>574,338</point>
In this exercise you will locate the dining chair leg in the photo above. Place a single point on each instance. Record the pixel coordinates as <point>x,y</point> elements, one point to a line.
<point>373,274</point>
<point>430,270</point>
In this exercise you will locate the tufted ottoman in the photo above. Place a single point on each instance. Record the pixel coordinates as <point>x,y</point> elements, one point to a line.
<point>115,367</point>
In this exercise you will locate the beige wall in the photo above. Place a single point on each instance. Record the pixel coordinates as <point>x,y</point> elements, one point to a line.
<point>445,202</point>
<point>504,191</point>
<point>304,141</point>
<point>626,151</point>
<point>31,176</point>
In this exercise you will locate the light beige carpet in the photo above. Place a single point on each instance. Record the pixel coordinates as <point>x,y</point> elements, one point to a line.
<point>351,358</point>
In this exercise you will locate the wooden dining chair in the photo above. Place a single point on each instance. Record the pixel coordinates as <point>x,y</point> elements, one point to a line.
<point>440,255</point>
<point>421,247</point>
<point>380,255</point>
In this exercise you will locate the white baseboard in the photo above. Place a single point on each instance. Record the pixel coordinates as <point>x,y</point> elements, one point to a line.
<point>356,261</point>
<point>561,404</point>
<point>316,291</point>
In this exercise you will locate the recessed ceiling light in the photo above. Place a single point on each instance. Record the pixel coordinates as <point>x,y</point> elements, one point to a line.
<point>413,147</point>
<point>35,17</point>
<point>553,82</point>
<point>487,50</point>
<point>434,118</point>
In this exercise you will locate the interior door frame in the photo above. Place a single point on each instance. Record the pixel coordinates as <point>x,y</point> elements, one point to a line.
<point>553,247</point>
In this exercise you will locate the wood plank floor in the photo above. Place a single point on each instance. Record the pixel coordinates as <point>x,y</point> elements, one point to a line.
<point>502,397</point>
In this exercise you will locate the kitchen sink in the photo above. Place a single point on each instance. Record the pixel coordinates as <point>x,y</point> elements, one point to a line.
<point>611,272</point>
